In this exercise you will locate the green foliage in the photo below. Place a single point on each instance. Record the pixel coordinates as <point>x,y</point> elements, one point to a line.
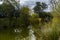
<point>46,17</point>
<point>25,10</point>
<point>24,16</point>
<point>7,9</point>
<point>23,22</point>
<point>34,19</point>
<point>39,9</point>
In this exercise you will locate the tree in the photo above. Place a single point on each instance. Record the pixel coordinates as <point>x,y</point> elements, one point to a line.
<point>23,21</point>
<point>39,9</point>
<point>25,15</point>
<point>18,19</point>
<point>8,10</point>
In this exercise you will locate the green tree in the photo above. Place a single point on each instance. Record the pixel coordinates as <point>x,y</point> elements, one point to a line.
<point>24,22</point>
<point>39,9</point>
<point>9,11</point>
<point>15,21</point>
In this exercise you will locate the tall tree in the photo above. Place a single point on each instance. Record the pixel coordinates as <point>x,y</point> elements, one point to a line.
<point>39,9</point>
<point>24,21</point>
<point>9,10</point>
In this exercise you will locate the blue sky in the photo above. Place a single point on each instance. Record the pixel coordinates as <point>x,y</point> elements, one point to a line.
<point>31,3</point>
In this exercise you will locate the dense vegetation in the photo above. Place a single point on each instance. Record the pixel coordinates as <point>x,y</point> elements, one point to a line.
<point>17,24</point>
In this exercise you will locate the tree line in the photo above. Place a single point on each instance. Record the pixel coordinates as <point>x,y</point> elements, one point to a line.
<point>21,18</point>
